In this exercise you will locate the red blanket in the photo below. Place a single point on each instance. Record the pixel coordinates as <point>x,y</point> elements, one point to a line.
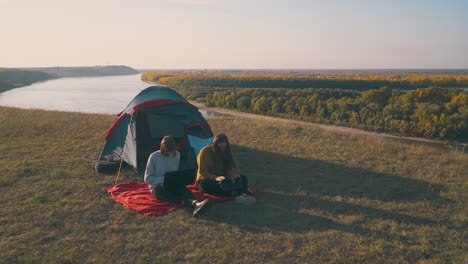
<point>136,196</point>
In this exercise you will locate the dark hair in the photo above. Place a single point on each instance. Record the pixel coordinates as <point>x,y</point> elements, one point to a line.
<point>168,145</point>
<point>226,155</point>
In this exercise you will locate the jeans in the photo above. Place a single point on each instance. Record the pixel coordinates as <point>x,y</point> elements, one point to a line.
<point>173,189</point>
<point>212,187</point>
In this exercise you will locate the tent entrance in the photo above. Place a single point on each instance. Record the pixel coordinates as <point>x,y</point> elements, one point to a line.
<point>151,128</point>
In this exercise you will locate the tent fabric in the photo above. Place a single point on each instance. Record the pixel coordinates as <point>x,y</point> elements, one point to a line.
<point>115,138</point>
<point>171,126</point>
<point>137,197</point>
<point>154,93</point>
<point>199,143</point>
<point>130,147</point>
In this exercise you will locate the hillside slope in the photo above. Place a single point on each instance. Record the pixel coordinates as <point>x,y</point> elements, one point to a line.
<point>327,197</point>
<point>87,71</point>
<point>12,78</point>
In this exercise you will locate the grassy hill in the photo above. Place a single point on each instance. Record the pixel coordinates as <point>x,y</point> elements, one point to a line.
<point>4,86</point>
<point>87,71</point>
<point>12,78</point>
<point>328,197</point>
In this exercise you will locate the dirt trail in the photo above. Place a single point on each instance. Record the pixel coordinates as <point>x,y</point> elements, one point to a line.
<point>334,128</point>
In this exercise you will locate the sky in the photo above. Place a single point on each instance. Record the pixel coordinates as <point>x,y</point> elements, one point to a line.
<point>235,34</point>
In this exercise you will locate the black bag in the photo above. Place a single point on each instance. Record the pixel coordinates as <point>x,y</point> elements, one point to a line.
<point>229,185</point>
<point>104,166</point>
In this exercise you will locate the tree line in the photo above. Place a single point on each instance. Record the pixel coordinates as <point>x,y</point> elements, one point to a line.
<point>359,81</point>
<point>436,113</point>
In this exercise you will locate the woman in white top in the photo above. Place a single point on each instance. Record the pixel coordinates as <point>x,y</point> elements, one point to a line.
<point>166,162</point>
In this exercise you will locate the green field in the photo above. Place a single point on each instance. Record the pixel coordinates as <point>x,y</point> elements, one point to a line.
<point>328,197</point>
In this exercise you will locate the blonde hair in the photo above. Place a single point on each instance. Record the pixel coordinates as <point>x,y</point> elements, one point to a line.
<point>168,145</point>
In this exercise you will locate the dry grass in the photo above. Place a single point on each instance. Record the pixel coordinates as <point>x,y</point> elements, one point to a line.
<point>328,197</point>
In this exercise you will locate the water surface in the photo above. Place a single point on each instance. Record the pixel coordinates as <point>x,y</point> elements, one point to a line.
<point>105,95</point>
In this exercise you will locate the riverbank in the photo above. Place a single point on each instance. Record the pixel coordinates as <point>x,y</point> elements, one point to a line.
<point>108,95</point>
<point>327,197</point>
<point>70,72</point>
<point>13,78</point>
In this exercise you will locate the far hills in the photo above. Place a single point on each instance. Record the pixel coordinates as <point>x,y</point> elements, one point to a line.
<point>16,77</point>
<point>13,78</point>
<point>86,71</point>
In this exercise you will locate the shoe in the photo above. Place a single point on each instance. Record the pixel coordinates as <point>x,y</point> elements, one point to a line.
<point>201,207</point>
<point>245,199</point>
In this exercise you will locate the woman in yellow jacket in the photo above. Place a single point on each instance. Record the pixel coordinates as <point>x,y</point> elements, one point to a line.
<point>215,165</point>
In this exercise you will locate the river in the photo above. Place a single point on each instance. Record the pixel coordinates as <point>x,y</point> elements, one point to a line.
<point>103,95</point>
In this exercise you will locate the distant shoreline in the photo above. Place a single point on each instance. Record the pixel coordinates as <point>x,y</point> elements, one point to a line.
<point>317,71</point>
<point>114,70</point>
<point>11,78</point>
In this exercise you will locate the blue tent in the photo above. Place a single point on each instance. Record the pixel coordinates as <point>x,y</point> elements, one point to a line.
<point>155,112</point>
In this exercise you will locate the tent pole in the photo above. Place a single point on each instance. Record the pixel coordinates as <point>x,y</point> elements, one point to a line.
<point>121,156</point>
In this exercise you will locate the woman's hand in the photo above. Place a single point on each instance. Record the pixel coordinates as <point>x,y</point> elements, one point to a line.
<point>220,178</point>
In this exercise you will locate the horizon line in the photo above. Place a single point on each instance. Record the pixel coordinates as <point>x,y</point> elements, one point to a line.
<point>248,69</point>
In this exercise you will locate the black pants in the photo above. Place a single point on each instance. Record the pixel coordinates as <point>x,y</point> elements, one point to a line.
<point>212,187</point>
<point>174,190</point>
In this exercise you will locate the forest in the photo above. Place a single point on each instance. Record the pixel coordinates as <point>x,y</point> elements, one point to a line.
<point>433,112</point>
<point>360,81</point>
